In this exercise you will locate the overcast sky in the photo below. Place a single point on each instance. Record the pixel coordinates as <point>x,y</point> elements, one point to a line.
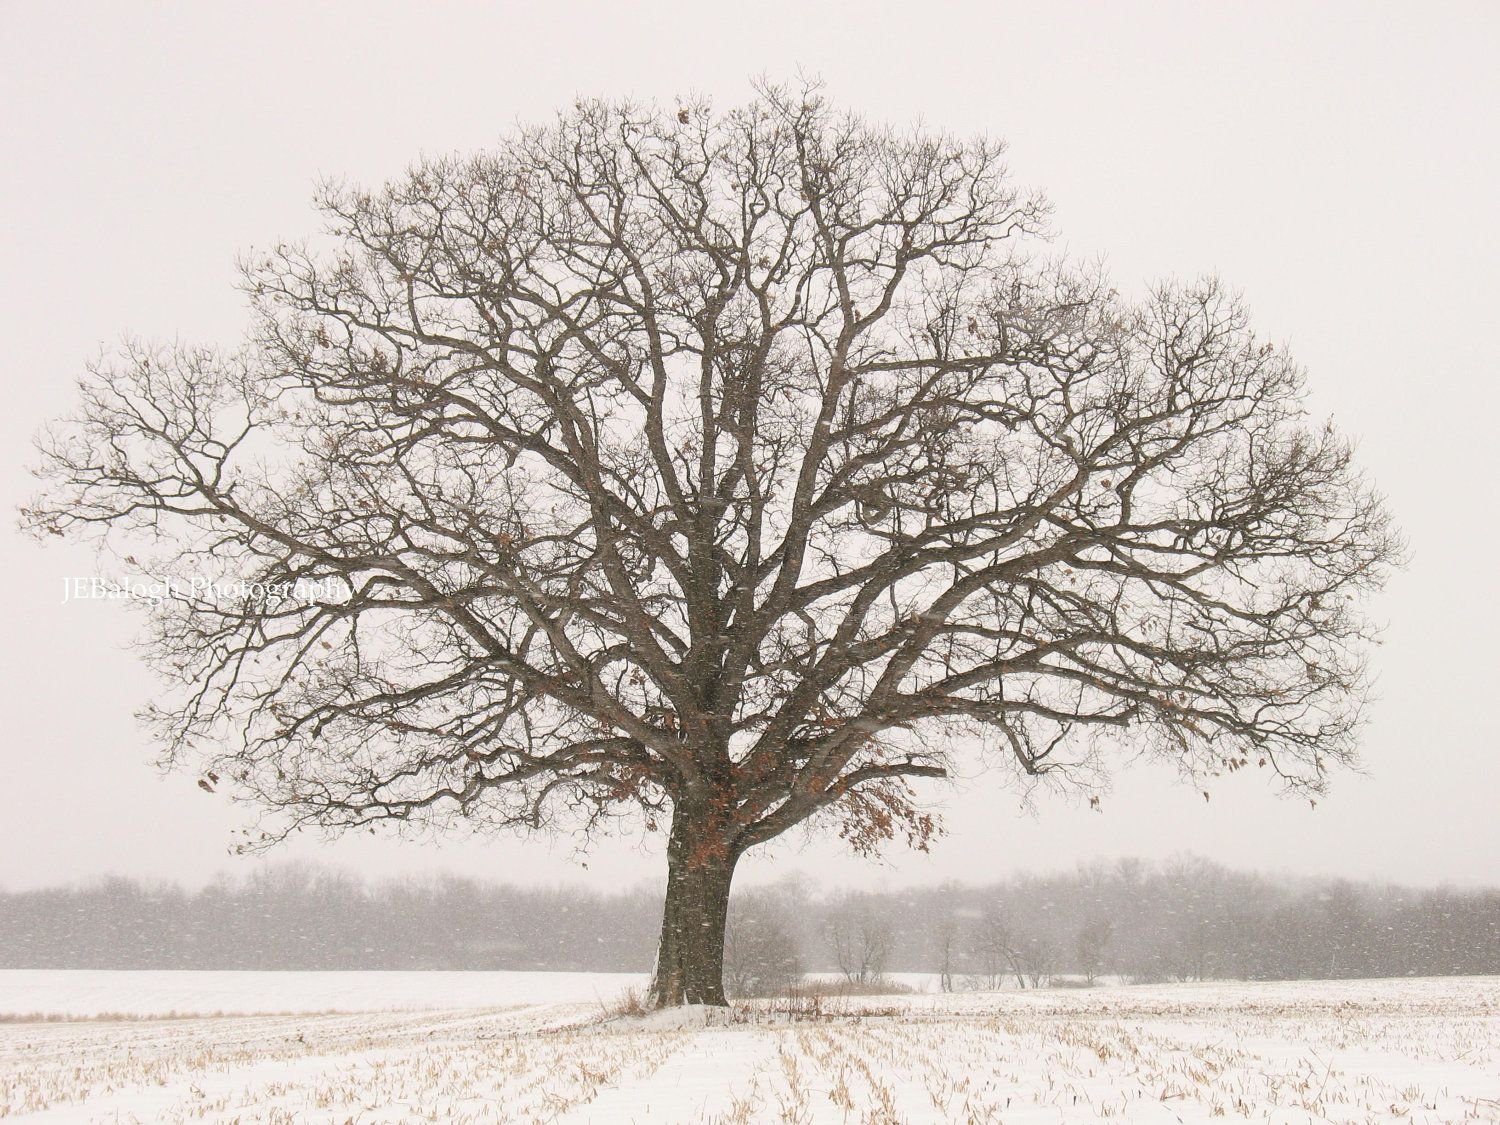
<point>1337,163</point>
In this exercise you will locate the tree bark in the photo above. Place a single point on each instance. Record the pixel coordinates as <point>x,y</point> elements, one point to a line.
<point>700,867</point>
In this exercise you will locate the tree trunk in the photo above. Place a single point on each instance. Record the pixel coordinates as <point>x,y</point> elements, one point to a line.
<point>700,865</point>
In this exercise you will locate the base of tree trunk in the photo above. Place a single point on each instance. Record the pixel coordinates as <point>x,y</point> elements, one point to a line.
<point>690,957</point>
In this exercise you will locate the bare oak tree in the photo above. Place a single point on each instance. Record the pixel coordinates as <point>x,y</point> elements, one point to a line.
<point>733,468</point>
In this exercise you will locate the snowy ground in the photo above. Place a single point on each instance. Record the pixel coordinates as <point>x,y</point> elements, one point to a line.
<point>89,992</point>
<point>1356,1051</point>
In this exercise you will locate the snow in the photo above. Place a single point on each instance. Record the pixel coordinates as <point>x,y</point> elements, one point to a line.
<point>88,992</point>
<point>523,1047</point>
<point>676,1019</point>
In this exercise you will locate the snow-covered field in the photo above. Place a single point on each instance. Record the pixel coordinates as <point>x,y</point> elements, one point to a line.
<point>521,1047</point>
<point>90,992</point>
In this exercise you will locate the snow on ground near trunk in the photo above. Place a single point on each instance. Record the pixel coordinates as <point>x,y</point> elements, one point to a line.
<point>88,992</point>
<point>1350,1051</point>
<point>678,1019</point>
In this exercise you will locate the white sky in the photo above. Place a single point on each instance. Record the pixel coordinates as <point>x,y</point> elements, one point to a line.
<point>1335,162</point>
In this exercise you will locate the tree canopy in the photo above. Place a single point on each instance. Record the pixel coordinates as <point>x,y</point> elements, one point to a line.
<point>746,464</point>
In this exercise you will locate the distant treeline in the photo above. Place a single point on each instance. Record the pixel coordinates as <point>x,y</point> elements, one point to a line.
<point>1185,919</point>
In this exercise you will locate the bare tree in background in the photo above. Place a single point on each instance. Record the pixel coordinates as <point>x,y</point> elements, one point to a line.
<point>726,470</point>
<point>1094,937</point>
<point>859,937</point>
<point>1033,959</point>
<point>760,955</point>
<point>945,938</point>
<point>993,948</point>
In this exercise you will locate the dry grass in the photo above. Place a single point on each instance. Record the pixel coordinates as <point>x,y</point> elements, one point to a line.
<point>843,989</point>
<point>631,1003</point>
